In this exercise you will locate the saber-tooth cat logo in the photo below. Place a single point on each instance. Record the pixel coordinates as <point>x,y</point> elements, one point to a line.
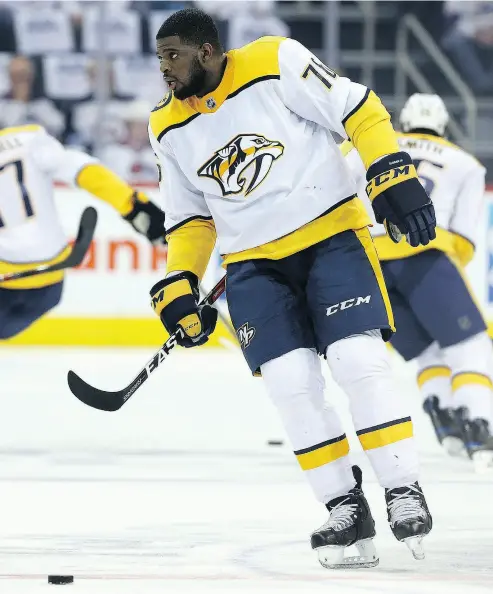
<point>347,304</point>
<point>245,335</point>
<point>243,164</point>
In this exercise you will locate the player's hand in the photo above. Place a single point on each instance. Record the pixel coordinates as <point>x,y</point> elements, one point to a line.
<point>398,197</point>
<point>175,300</point>
<point>146,218</point>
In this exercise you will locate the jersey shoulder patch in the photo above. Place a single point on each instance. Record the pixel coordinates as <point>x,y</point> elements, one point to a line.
<point>255,62</point>
<point>169,114</point>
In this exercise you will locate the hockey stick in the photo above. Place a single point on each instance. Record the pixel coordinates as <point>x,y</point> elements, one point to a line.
<point>224,319</point>
<point>85,234</point>
<point>111,401</point>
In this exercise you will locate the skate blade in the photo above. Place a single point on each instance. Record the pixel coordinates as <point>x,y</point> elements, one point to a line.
<point>413,543</point>
<point>483,462</point>
<point>332,557</point>
<point>454,446</point>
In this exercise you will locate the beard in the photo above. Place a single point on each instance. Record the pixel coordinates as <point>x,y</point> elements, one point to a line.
<point>196,78</point>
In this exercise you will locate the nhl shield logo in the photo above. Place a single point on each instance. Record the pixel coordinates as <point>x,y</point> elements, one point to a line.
<point>245,335</point>
<point>210,103</point>
<point>243,164</point>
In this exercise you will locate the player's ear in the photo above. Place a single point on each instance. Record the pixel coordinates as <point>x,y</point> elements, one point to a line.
<point>206,52</point>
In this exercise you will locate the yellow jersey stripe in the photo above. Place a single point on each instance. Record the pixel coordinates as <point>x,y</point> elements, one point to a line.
<point>367,243</point>
<point>19,129</point>
<point>253,82</point>
<point>323,453</point>
<point>388,250</point>
<point>256,62</point>
<point>369,129</point>
<point>185,221</point>
<point>467,378</point>
<point>386,433</point>
<point>346,147</point>
<point>430,373</point>
<point>34,282</point>
<point>347,214</point>
<point>177,125</point>
<point>357,108</point>
<point>190,246</point>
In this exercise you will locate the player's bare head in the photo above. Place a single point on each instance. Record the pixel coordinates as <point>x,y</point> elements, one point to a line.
<point>188,47</point>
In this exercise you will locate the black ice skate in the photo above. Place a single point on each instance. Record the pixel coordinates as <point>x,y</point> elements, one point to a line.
<point>350,523</point>
<point>447,425</point>
<point>409,517</point>
<point>478,441</point>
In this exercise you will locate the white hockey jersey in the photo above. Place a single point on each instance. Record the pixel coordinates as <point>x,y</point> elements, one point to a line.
<point>30,231</point>
<point>453,179</point>
<point>257,155</point>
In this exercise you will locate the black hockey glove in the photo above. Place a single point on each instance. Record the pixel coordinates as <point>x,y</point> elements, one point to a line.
<point>146,218</point>
<point>399,199</point>
<point>175,299</point>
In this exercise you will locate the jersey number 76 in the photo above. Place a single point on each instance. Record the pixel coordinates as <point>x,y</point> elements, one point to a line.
<point>321,71</point>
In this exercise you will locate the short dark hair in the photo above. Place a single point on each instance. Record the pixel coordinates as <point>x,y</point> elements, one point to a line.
<point>191,25</point>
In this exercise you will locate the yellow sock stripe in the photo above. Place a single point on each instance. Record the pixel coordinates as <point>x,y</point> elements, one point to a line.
<point>469,377</point>
<point>386,433</point>
<point>366,241</point>
<point>429,373</point>
<point>323,453</point>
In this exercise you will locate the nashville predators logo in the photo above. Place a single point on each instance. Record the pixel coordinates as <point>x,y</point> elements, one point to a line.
<point>243,164</point>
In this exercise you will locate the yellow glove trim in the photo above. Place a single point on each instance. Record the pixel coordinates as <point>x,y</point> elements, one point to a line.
<point>389,178</point>
<point>370,130</point>
<point>169,293</point>
<point>106,185</point>
<point>191,325</point>
<point>190,246</point>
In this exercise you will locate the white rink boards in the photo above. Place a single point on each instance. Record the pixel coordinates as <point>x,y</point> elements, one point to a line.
<point>178,492</point>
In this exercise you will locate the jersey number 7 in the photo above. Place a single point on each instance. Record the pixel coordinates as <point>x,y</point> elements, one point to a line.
<point>19,170</point>
<point>321,71</point>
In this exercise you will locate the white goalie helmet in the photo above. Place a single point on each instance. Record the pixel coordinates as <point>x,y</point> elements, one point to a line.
<point>424,111</point>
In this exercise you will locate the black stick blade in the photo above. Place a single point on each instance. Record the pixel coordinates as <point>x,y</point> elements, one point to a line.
<point>109,401</point>
<point>84,237</point>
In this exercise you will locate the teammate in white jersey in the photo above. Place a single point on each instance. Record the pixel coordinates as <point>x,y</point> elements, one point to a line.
<point>437,318</point>
<point>244,140</point>
<point>30,231</point>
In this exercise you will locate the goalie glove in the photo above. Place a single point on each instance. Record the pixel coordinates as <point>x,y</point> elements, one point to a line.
<point>175,300</point>
<point>399,200</point>
<point>146,218</point>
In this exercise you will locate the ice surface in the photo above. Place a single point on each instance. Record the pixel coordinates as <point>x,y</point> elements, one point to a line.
<point>179,491</point>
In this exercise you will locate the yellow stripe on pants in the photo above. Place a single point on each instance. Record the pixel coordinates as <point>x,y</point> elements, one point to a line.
<point>366,241</point>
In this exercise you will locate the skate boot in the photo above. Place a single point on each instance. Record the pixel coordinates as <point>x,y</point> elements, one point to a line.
<point>408,516</point>
<point>447,425</point>
<point>350,522</point>
<point>478,442</point>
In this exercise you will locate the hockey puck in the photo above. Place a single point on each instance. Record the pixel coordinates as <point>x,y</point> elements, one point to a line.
<point>275,442</point>
<point>60,579</point>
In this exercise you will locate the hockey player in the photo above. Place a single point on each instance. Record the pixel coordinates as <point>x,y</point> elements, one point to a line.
<point>30,231</point>
<point>244,140</point>
<point>437,317</point>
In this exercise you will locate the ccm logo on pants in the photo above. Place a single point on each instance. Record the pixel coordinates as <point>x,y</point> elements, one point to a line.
<point>347,304</point>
